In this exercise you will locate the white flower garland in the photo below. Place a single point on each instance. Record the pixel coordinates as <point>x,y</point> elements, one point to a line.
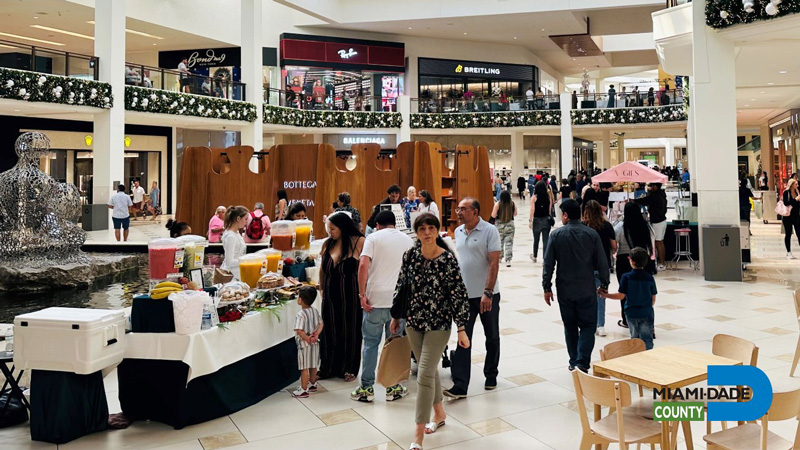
<point>648,114</point>
<point>279,115</point>
<point>39,87</point>
<point>167,102</point>
<point>486,120</point>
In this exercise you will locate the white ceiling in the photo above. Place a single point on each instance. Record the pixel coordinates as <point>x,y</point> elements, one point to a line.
<point>17,17</point>
<point>531,30</point>
<point>762,92</point>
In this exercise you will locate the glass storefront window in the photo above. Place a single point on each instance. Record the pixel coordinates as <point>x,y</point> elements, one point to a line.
<point>320,88</point>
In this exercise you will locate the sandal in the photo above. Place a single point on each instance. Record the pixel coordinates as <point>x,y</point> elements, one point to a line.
<point>622,324</point>
<point>431,427</point>
<point>415,446</point>
<point>349,377</point>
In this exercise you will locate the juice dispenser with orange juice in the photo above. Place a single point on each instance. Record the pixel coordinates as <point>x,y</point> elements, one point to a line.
<point>273,259</point>
<point>250,268</point>
<point>303,234</point>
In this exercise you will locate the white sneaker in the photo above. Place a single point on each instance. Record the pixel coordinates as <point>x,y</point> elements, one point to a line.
<point>790,256</point>
<point>601,331</point>
<point>662,267</point>
<point>508,263</point>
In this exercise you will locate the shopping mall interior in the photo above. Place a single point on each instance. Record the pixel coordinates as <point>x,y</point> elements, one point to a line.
<point>142,307</point>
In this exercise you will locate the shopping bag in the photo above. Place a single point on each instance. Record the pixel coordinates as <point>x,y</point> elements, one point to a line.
<point>222,276</point>
<point>395,362</point>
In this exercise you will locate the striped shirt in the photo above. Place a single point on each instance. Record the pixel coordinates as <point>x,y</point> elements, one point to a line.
<point>308,319</point>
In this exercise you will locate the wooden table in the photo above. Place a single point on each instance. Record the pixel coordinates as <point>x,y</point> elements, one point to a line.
<point>660,368</point>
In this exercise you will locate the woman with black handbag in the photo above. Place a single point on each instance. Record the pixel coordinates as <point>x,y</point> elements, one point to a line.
<point>541,221</point>
<point>430,295</point>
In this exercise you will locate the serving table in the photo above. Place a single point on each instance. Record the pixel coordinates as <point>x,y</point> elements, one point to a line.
<point>661,368</point>
<point>182,380</point>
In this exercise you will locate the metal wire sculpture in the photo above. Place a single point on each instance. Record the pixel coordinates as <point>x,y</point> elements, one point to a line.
<point>38,215</point>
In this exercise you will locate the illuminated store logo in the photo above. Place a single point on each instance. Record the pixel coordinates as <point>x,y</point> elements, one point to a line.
<point>347,54</point>
<point>363,140</point>
<point>209,59</point>
<point>478,70</point>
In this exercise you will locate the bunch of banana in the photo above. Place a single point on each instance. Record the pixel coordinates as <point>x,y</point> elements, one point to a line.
<point>163,289</point>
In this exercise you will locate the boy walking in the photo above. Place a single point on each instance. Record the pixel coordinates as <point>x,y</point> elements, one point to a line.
<point>638,288</point>
<point>307,326</point>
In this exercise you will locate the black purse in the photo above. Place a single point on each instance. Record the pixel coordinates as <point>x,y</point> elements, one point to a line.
<point>401,302</point>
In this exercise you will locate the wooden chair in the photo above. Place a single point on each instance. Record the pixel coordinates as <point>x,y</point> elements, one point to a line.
<point>619,425</point>
<point>797,315</point>
<point>751,436</point>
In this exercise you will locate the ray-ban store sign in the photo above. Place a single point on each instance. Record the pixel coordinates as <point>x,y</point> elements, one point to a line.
<point>475,69</point>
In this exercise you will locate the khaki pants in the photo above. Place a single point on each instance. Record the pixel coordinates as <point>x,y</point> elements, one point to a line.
<point>428,347</point>
<point>506,230</point>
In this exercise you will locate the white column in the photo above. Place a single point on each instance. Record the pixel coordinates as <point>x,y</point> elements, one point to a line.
<point>621,154</point>
<point>713,119</point>
<point>252,38</point>
<point>669,153</point>
<point>566,135</point>
<point>404,108</point>
<point>109,126</point>
<point>517,154</point>
<point>604,151</point>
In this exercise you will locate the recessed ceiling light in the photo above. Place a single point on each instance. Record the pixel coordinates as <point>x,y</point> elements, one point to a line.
<point>140,33</point>
<point>782,72</point>
<point>573,59</point>
<point>542,29</point>
<point>57,30</point>
<point>35,17</point>
<point>465,32</point>
<point>770,84</point>
<point>16,110</point>
<point>154,43</point>
<point>515,38</point>
<point>31,39</point>
<point>761,92</point>
<point>409,28</point>
<point>746,105</point>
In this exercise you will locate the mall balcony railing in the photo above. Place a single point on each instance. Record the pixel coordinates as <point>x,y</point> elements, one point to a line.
<point>673,3</point>
<point>483,104</point>
<point>278,97</point>
<point>175,81</point>
<point>14,55</point>
<point>628,99</point>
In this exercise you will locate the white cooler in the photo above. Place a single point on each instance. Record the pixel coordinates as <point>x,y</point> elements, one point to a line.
<point>76,340</point>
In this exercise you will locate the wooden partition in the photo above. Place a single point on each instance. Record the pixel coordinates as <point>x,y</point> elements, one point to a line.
<point>312,174</point>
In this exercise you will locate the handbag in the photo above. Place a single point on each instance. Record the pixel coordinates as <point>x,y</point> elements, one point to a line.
<point>395,363</point>
<point>782,210</point>
<point>551,221</point>
<point>401,302</point>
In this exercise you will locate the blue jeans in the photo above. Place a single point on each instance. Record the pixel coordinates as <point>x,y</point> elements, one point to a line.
<point>580,323</point>
<point>642,328</point>
<point>601,303</point>
<point>373,325</point>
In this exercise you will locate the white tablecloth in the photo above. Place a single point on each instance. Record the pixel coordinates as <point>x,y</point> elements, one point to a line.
<point>210,350</point>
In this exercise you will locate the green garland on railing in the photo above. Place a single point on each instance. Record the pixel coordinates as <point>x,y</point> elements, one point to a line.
<point>178,103</point>
<point>652,114</point>
<point>486,120</point>
<point>279,115</point>
<point>39,87</point>
<point>726,13</point>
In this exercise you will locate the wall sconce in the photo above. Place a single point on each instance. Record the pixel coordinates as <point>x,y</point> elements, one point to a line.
<point>88,140</point>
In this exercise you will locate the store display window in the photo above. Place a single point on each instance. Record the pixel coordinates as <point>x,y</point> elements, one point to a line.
<point>320,88</point>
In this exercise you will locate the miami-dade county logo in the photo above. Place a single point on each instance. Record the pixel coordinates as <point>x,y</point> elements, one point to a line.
<point>748,388</point>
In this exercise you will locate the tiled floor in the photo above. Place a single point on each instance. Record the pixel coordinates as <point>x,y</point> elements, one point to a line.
<point>534,406</point>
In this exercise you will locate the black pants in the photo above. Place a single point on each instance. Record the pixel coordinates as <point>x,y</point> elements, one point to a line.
<point>462,357</point>
<point>790,223</point>
<point>580,323</point>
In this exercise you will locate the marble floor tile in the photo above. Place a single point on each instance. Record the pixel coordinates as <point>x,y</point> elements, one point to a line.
<point>719,318</point>
<point>525,379</point>
<point>548,346</point>
<point>491,426</point>
<point>337,417</point>
<point>529,311</point>
<point>222,440</point>
<point>509,331</point>
<point>384,446</point>
<point>345,436</point>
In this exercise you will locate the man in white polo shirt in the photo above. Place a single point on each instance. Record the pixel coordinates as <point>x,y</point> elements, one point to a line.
<point>138,198</point>
<point>120,203</point>
<point>380,265</point>
<point>478,245</point>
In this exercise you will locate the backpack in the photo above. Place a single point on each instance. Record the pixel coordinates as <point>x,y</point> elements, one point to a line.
<point>255,230</point>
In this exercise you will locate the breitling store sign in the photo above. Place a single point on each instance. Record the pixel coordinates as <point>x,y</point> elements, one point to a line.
<point>474,69</point>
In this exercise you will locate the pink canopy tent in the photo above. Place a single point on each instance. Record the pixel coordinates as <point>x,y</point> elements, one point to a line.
<point>630,172</point>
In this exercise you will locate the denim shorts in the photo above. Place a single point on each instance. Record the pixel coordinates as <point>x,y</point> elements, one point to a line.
<point>121,223</point>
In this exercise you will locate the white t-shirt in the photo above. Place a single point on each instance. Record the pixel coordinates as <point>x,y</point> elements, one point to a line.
<point>182,67</point>
<point>121,202</point>
<point>389,245</point>
<point>138,194</point>
<point>433,209</point>
<point>529,94</point>
<point>235,248</point>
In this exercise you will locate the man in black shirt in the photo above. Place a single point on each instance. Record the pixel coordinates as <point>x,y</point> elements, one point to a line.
<point>656,203</point>
<point>575,252</point>
<point>394,197</point>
